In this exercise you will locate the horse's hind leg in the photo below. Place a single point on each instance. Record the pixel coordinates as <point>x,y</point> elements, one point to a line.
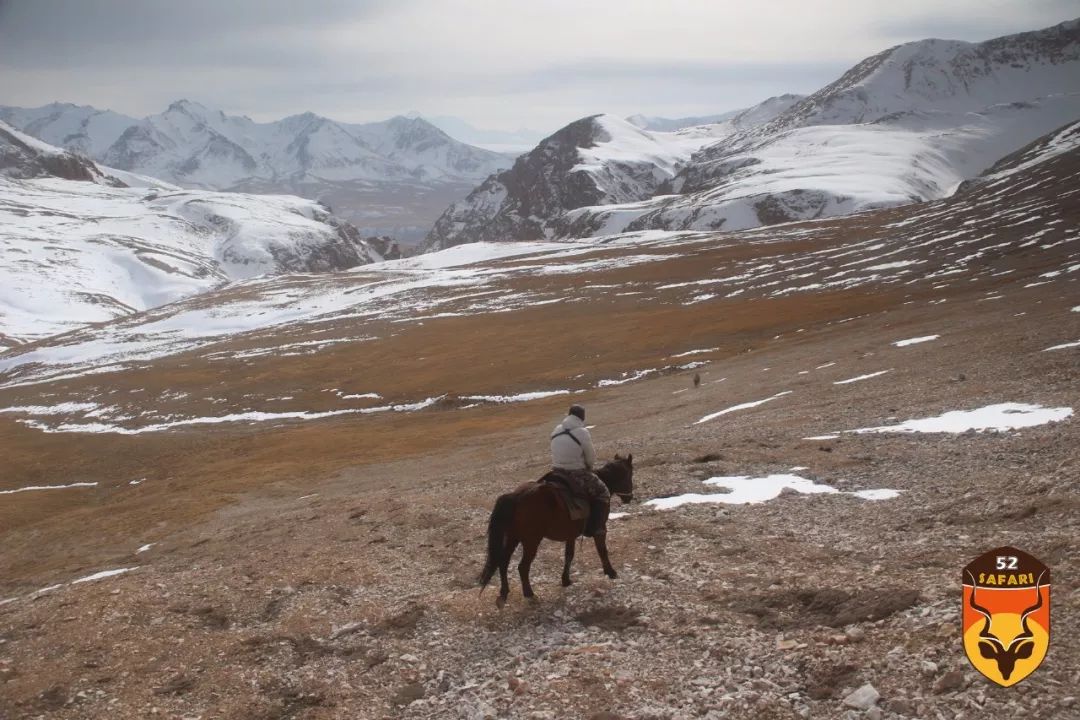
<point>504,565</point>
<point>527,555</point>
<point>566,564</point>
<point>601,550</point>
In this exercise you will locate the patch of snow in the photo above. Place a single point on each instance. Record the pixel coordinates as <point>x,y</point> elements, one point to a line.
<point>520,397</point>
<point>742,406</point>
<point>103,574</point>
<point>48,487</point>
<point>1063,346</point>
<point>915,340</point>
<point>251,416</point>
<point>745,490</point>
<point>1002,416</point>
<point>862,377</point>
<point>144,548</point>
<point>880,494</point>
<point>695,352</point>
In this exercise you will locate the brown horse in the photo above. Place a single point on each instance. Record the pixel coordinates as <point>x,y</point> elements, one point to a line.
<point>534,512</point>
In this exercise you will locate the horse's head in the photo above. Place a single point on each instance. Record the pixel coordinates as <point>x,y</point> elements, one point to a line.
<point>618,475</point>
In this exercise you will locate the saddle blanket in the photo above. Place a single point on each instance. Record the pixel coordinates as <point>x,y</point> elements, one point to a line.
<point>576,504</point>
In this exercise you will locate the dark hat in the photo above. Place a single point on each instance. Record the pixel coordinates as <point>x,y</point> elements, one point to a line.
<point>578,411</point>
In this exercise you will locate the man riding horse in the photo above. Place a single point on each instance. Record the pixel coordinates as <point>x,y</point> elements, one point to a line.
<point>538,510</point>
<point>572,458</point>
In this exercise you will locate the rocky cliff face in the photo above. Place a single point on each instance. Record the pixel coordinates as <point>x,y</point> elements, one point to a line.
<point>23,158</point>
<point>597,160</point>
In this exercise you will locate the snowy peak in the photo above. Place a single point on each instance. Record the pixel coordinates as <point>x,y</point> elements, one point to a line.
<point>79,128</point>
<point>393,176</point>
<point>946,75</point>
<point>195,146</point>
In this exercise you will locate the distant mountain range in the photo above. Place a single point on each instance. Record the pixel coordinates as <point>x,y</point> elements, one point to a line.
<point>82,243</point>
<point>908,124</point>
<point>388,177</point>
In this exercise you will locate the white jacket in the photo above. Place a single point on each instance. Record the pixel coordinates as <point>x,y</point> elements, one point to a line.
<point>567,454</point>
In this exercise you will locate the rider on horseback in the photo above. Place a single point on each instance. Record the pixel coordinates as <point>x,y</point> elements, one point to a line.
<point>572,456</point>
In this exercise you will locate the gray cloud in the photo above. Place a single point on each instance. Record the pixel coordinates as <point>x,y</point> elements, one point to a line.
<point>998,17</point>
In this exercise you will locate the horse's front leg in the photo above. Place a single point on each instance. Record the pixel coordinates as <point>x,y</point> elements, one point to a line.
<point>601,550</point>
<point>528,553</point>
<point>569,555</point>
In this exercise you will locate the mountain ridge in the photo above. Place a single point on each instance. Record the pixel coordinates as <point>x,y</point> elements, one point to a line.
<point>907,124</point>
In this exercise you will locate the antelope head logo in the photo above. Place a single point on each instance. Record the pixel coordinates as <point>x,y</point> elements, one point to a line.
<point>1022,645</point>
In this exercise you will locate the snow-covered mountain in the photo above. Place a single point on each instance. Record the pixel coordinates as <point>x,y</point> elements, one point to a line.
<point>386,176</point>
<point>600,160</point>
<point>79,128</point>
<point>82,244</point>
<point>908,124</point>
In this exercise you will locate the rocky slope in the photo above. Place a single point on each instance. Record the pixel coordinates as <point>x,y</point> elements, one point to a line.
<point>384,176</point>
<point>908,124</point>
<point>78,245</point>
<point>23,158</point>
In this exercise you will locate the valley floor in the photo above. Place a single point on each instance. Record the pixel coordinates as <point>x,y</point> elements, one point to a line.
<point>350,592</point>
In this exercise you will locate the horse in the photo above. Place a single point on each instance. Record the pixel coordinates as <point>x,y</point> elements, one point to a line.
<point>533,512</point>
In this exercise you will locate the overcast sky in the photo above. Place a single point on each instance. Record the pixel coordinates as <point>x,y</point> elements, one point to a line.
<point>496,63</point>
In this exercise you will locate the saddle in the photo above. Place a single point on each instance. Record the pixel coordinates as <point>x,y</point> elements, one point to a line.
<point>570,496</point>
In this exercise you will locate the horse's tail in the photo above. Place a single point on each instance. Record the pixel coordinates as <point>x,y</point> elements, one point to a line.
<point>498,524</point>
